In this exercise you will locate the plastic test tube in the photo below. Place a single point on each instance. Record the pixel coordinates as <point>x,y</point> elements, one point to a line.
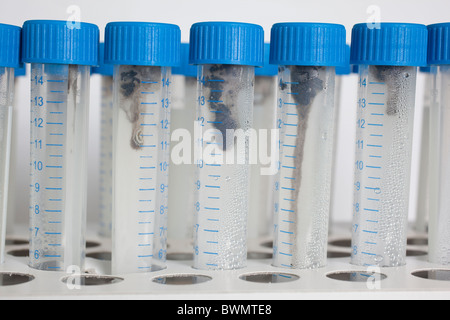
<point>9,59</point>
<point>307,54</point>
<point>17,185</point>
<point>388,58</point>
<point>439,214</point>
<point>422,213</point>
<point>13,173</point>
<point>226,54</point>
<point>261,183</point>
<point>60,55</point>
<point>182,169</point>
<point>142,55</point>
<point>341,73</point>
<point>106,119</point>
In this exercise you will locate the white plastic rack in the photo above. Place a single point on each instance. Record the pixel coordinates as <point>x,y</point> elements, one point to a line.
<point>259,280</point>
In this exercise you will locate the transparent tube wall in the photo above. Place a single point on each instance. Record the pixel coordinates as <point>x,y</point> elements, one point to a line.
<point>11,210</point>
<point>59,133</point>
<point>6,116</point>
<point>225,106</point>
<point>306,120</point>
<point>383,165</point>
<point>141,136</point>
<point>182,170</point>
<point>421,222</point>
<point>261,184</point>
<point>334,174</point>
<point>439,222</point>
<point>106,156</point>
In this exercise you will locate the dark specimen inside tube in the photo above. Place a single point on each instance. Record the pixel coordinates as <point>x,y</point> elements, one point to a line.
<point>72,85</point>
<point>391,76</point>
<point>223,82</point>
<point>304,85</point>
<point>129,82</point>
<point>134,80</point>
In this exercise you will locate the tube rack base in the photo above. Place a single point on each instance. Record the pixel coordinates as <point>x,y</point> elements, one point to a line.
<point>259,280</point>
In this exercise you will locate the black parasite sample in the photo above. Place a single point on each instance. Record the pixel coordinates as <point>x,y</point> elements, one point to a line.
<point>226,75</point>
<point>305,85</point>
<point>222,98</point>
<point>132,85</point>
<point>306,118</point>
<point>143,54</point>
<point>306,55</point>
<point>227,91</point>
<point>72,86</point>
<point>392,77</point>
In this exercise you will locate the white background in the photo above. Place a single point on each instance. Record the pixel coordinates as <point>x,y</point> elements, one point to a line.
<point>186,12</point>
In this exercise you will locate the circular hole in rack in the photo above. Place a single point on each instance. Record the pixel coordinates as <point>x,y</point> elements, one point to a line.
<point>92,244</point>
<point>418,241</point>
<point>180,256</point>
<point>103,256</point>
<point>15,242</point>
<point>338,254</point>
<point>356,276</point>
<point>433,274</point>
<point>259,255</point>
<point>21,253</point>
<point>181,279</point>
<point>90,280</point>
<point>12,279</point>
<point>346,243</point>
<point>269,277</point>
<point>415,253</point>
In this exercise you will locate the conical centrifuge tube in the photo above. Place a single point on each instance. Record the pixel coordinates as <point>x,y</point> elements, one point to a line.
<point>439,203</point>
<point>14,169</point>
<point>226,54</point>
<point>9,59</point>
<point>264,120</point>
<point>61,55</point>
<point>106,119</point>
<point>142,54</point>
<point>423,196</point>
<point>307,55</point>
<point>342,73</point>
<point>388,58</point>
<point>182,169</point>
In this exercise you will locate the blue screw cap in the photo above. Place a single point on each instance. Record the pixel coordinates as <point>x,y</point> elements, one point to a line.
<point>439,44</point>
<point>185,69</point>
<point>227,43</point>
<point>429,69</point>
<point>60,42</point>
<point>347,69</point>
<point>392,44</point>
<point>9,46</point>
<point>20,71</point>
<point>142,44</point>
<point>102,68</point>
<point>308,44</point>
<point>268,70</point>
